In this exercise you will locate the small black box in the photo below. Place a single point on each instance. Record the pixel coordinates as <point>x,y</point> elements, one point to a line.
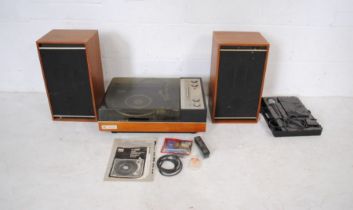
<point>287,116</point>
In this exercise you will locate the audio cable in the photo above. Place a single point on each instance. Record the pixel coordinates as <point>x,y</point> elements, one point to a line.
<point>175,160</point>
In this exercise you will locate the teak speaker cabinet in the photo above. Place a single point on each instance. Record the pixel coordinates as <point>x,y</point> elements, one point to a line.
<point>238,69</point>
<point>72,73</point>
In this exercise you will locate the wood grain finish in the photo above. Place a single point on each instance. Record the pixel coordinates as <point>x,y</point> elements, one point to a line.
<point>90,39</point>
<point>95,71</point>
<point>62,36</point>
<point>225,38</point>
<point>170,127</point>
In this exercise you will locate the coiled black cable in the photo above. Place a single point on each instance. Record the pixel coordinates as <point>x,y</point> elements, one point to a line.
<point>175,160</point>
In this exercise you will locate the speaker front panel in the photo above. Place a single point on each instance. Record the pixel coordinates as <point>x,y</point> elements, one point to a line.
<point>239,82</point>
<point>66,75</point>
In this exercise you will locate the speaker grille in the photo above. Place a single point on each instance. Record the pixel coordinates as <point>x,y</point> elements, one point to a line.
<point>239,82</point>
<point>66,74</point>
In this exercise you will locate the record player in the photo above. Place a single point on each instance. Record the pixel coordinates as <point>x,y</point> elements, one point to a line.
<point>153,105</point>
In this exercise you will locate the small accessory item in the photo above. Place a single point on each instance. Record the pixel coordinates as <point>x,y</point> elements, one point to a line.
<point>177,146</point>
<point>202,146</point>
<point>175,160</point>
<point>195,162</point>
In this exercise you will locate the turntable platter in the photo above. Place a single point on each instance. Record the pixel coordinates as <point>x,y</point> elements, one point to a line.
<point>138,101</point>
<point>140,93</point>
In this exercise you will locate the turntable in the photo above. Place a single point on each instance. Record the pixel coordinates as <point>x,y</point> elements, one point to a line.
<point>153,105</point>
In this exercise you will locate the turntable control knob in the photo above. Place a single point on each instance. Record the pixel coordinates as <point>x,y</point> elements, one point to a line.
<point>191,94</point>
<point>196,104</point>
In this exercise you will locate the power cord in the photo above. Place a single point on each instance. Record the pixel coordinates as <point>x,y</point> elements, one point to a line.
<point>175,160</point>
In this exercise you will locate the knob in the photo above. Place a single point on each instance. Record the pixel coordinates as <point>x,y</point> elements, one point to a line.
<point>196,104</point>
<point>196,100</point>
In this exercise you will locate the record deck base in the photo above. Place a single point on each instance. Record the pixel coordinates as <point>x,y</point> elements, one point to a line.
<point>158,127</point>
<point>175,105</point>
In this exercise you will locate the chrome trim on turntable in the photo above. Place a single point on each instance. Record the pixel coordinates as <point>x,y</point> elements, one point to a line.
<point>191,96</point>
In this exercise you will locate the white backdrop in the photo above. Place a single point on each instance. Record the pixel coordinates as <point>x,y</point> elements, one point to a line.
<point>311,40</point>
